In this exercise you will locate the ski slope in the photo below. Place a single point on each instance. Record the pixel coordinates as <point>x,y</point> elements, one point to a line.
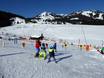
<point>18,62</point>
<point>73,33</point>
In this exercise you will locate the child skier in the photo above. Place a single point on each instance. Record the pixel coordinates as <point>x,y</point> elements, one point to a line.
<point>51,54</point>
<point>46,45</point>
<point>43,47</point>
<point>55,47</point>
<point>42,53</point>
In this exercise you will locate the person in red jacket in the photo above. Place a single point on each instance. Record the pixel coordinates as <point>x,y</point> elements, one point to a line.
<point>37,47</point>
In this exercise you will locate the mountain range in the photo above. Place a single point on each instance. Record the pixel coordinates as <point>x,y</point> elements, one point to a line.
<point>87,17</point>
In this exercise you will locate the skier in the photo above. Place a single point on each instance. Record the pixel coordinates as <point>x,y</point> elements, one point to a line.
<point>42,37</point>
<point>51,54</point>
<point>81,46</point>
<point>43,47</point>
<point>55,47</point>
<point>37,47</point>
<point>42,53</point>
<point>47,45</point>
<point>23,43</point>
<point>102,50</point>
<point>64,45</point>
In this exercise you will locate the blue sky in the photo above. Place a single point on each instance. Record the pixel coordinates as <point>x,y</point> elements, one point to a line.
<point>30,8</point>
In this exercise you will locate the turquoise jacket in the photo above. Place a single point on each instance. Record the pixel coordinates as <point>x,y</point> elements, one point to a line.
<point>102,49</point>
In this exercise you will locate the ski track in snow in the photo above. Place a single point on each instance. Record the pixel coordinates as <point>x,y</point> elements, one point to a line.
<point>72,63</point>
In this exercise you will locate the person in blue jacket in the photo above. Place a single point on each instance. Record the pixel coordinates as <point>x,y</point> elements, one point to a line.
<point>55,47</point>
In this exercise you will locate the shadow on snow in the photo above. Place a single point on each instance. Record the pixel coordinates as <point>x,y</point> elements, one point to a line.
<point>58,54</point>
<point>11,54</point>
<point>62,58</point>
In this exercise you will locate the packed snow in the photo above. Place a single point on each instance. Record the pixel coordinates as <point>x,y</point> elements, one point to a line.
<point>85,33</point>
<point>72,61</point>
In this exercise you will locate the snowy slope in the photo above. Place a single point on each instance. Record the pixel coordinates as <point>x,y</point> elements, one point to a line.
<point>46,15</point>
<point>84,33</point>
<point>18,62</point>
<point>72,63</point>
<point>87,13</point>
<point>17,20</point>
<point>92,14</point>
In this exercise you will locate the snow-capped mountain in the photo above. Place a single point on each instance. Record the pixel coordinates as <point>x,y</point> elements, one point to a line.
<point>86,17</point>
<point>93,14</point>
<point>81,17</point>
<point>48,17</point>
<point>7,19</point>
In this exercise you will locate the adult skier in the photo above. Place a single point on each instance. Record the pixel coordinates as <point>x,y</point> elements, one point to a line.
<point>37,47</point>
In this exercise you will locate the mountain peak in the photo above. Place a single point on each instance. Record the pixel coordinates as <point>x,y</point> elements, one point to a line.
<point>45,13</point>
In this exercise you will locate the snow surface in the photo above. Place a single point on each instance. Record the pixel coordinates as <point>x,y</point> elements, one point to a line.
<point>73,62</point>
<point>18,62</point>
<point>85,33</point>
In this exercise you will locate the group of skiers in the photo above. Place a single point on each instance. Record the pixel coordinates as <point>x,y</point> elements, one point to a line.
<point>43,50</point>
